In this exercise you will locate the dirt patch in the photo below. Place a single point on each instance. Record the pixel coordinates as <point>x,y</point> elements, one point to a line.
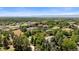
<point>18,32</point>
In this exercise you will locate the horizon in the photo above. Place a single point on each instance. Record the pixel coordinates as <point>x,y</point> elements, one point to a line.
<point>38,11</point>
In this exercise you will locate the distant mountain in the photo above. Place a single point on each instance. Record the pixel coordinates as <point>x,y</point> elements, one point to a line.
<point>67,16</point>
<point>72,16</point>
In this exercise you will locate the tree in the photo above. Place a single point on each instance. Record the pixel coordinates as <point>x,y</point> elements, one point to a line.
<point>37,40</point>
<point>5,44</point>
<point>59,39</point>
<point>76,32</point>
<point>69,45</point>
<point>59,36</point>
<point>5,39</point>
<point>28,33</point>
<point>23,27</point>
<point>1,40</point>
<point>67,34</point>
<point>75,37</point>
<point>21,44</point>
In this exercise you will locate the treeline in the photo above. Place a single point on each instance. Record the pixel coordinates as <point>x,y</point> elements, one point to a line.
<point>20,19</point>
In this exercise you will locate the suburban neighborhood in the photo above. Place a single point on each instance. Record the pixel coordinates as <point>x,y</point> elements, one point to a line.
<point>35,35</point>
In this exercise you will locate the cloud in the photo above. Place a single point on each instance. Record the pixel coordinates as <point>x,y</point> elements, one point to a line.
<point>68,8</point>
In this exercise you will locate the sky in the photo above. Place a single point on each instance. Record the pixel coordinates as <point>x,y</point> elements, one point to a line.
<point>38,11</point>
